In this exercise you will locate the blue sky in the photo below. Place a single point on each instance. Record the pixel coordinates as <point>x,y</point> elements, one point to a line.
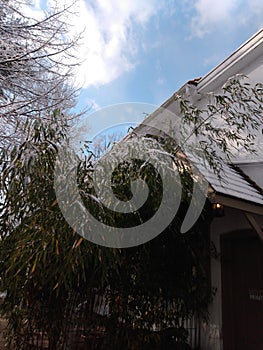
<point>144,50</point>
<point>155,53</point>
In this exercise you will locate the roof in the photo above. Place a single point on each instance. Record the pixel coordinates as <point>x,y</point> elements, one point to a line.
<point>234,183</point>
<point>233,187</point>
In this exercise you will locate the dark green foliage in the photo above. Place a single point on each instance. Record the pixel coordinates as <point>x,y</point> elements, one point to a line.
<point>53,277</point>
<point>44,263</point>
<point>57,282</point>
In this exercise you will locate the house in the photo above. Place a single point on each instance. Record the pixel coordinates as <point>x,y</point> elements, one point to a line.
<point>236,312</point>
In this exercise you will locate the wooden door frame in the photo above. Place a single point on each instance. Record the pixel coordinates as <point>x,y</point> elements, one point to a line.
<point>228,296</point>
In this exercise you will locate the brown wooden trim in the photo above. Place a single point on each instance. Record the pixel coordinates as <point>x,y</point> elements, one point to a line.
<point>254,225</point>
<point>237,203</point>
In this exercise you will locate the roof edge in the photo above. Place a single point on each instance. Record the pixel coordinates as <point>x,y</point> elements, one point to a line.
<point>236,203</point>
<point>222,71</point>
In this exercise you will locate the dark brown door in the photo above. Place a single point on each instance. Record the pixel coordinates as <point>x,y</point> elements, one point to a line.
<point>242,292</point>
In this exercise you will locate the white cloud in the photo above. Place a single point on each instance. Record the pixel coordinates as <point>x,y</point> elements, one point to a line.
<point>225,14</point>
<point>33,11</point>
<point>252,14</point>
<point>210,13</point>
<point>108,45</point>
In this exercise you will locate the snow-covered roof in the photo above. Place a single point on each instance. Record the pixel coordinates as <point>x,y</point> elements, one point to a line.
<point>234,183</point>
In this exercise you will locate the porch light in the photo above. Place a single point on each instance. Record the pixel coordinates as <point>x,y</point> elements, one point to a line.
<point>218,209</point>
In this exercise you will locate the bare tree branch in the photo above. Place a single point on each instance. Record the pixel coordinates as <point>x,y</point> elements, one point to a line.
<point>37,64</point>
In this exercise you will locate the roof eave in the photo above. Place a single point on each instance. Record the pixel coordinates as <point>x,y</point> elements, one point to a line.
<point>236,203</point>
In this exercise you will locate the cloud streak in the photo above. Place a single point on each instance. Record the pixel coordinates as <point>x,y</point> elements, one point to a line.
<point>210,14</point>
<point>108,47</point>
<point>111,43</point>
<point>225,14</point>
